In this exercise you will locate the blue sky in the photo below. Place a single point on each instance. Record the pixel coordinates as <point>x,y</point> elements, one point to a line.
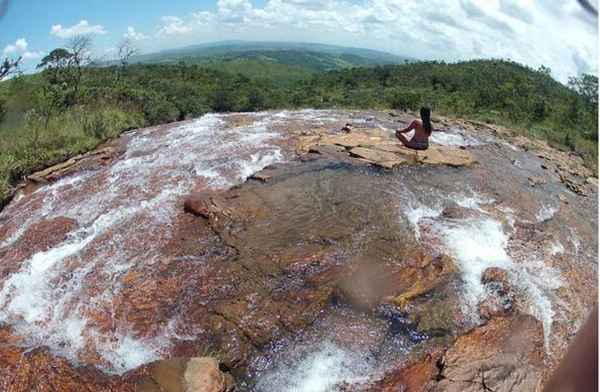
<point>555,33</point>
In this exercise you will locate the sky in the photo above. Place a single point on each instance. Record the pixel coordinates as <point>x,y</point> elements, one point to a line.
<point>554,33</point>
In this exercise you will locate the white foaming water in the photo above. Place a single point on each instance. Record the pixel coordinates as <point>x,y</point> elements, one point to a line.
<point>322,370</point>
<point>538,282</point>
<point>318,117</point>
<point>52,192</point>
<point>130,352</point>
<point>475,244</point>
<point>556,248</point>
<point>257,162</point>
<point>49,315</point>
<point>415,214</point>
<point>452,139</point>
<point>575,241</point>
<point>546,213</point>
<point>478,243</point>
<point>474,201</point>
<point>47,300</point>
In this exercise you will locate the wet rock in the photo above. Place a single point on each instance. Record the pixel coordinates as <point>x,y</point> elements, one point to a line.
<point>499,301</point>
<point>354,139</point>
<point>37,370</point>
<point>260,177</point>
<point>457,212</point>
<point>449,156</point>
<point>234,347</point>
<point>429,276</point>
<point>185,375</point>
<point>494,306</point>
<point>572,184</point>
<point>413,377</point>
<point>535,181</point>
<point>505,355</point>
<point>38,237</point>
<point>369,285</point>
<point>260,325</point>
<point>206,205</point>
<point>378,147</point>
<point>197,204</point>
<point>331,151</point>
<point>326,149</point>
<point>563,199</point>
<point>397,148</point>
<point>304,143</point>
<point>384,159</point>
<point>263,266</point>
<point>437,316</point>
<point>497,276</point>
<point>89,160</point>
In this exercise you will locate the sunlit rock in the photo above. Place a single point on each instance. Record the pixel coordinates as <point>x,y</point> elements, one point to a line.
<point>185,375</point>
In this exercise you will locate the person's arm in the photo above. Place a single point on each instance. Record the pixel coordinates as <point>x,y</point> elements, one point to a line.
<point>578,371</point>
<point>407,129</point>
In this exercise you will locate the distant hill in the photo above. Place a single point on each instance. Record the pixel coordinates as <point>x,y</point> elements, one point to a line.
<point>306,57</point>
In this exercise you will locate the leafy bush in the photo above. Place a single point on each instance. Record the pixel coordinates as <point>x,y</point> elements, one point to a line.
<point>93,125</point>
<point>2,109</point>
<point>406,100</point>
<point>159,110</point>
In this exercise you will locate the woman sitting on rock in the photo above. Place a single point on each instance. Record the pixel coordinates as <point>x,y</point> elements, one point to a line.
<point>423,129</point>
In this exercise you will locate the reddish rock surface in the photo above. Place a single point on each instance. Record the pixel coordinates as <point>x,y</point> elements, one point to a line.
<point>507,354</point>
<point>413,377</point>
<point>38,237</point>
<point>39,371</point>
<point>324,249</point>
<point>185,375</point>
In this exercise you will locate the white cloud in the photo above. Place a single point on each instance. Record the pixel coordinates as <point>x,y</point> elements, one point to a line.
<point>9,49</point>
<point>33,55</point>
<point>21,44</point>
<point>134,35</point>
<point>19,48</point>
<point>517,10</point>
<point>531,32</point>
<point>173,25</point>
<point>83,27</point>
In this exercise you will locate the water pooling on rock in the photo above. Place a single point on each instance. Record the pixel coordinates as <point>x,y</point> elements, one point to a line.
<point>122,217</point>
<point>328,276</point>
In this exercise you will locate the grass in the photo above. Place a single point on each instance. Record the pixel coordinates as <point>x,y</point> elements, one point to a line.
<point>26,147</point>
<point>556,138</point>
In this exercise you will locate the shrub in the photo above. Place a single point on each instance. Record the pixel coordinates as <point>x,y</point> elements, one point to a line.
<point>406,100</point>
<point>159,110</point>
<point>2,109</point>
<point>93,125</point>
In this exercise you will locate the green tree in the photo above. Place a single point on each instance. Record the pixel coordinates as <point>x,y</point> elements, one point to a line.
<point>223,100</point>
<point>2,108</point>
<point>9,67</point>
<point>587,87</point>
<point>48,101</point>
<point>65,66</point>
<point>256,100</point>
<point>55,65</point>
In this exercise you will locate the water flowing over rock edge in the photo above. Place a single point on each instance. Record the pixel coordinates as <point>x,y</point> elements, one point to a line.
<point>432,215</point>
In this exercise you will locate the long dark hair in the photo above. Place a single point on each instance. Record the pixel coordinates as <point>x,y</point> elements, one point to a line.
<point>426,118</point>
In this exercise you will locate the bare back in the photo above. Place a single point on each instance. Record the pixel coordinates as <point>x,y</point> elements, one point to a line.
<point>421,134</point>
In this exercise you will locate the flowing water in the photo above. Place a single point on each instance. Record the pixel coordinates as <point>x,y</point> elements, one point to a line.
<point>123,216</point>
<point>119,281</point>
